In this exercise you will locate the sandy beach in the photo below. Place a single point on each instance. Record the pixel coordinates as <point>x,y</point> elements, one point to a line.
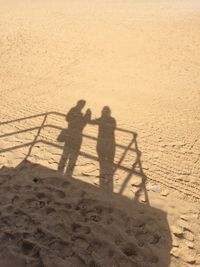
<point>140,60</point>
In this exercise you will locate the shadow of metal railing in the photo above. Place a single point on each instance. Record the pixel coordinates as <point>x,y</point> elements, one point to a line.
<point>136,166</point>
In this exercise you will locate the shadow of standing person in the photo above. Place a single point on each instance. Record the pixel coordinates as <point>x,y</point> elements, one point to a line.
<point>106,148</point>
<point>73,137</point>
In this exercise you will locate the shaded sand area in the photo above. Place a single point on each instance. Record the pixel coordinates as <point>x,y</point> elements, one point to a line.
<point>140,58</point>
<point>50,221</point>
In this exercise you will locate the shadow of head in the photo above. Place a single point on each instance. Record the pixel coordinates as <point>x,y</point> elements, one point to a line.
<point>71,223</point>
<point>106,111</point>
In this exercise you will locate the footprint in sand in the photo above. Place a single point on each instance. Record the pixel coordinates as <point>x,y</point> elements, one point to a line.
<point>91,216</point>
<point>50,210</point>
<point>60,228</point>
<point>35,203</point>
<point>80,229</point>
<point>15,200</point>
<point>4,179</point>
<point>130,249</point>
<point>67,206</point>
<point>59,194</point>
<point>61,248</point>
<point>29,247</point>
<point>65,184</point>
<point>40,195</point>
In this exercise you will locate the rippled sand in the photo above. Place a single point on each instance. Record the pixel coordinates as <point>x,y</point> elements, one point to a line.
<point>141,58</point>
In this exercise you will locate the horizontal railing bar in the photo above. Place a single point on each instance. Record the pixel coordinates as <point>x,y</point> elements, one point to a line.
<point>61,147</point>
<point>58,128</point>
<point>55,113</point>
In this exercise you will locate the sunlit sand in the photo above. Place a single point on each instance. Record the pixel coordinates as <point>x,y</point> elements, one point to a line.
<point>140,60</point>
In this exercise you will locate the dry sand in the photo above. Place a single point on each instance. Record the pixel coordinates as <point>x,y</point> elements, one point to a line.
<point>141,58</point>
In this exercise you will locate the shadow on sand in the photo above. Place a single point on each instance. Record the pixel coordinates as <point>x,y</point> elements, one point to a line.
<point>56,221</point>
<point>51,221</point>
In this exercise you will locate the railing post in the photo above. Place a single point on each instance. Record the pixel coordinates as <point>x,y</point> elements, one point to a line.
<point>38,133</point>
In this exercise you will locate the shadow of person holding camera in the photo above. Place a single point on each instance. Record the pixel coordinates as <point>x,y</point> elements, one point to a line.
<point>72,137</point>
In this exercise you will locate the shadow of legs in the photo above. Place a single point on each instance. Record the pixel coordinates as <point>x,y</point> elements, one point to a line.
<point>63,159</point>
<point>73,156</point>
<point>106,174</point>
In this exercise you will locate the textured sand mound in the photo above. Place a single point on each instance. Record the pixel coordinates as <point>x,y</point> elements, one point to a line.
<point>47,220</point>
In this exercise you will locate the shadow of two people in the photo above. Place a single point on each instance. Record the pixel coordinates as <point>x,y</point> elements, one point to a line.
<point>73,135</point>
<point>146,225</point>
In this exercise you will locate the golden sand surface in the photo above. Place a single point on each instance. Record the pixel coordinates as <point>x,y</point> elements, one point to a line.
<point>140,58</point>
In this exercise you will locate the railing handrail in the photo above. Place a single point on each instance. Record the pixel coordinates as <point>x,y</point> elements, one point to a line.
<point>55,113</point>
<point>43,125</point>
